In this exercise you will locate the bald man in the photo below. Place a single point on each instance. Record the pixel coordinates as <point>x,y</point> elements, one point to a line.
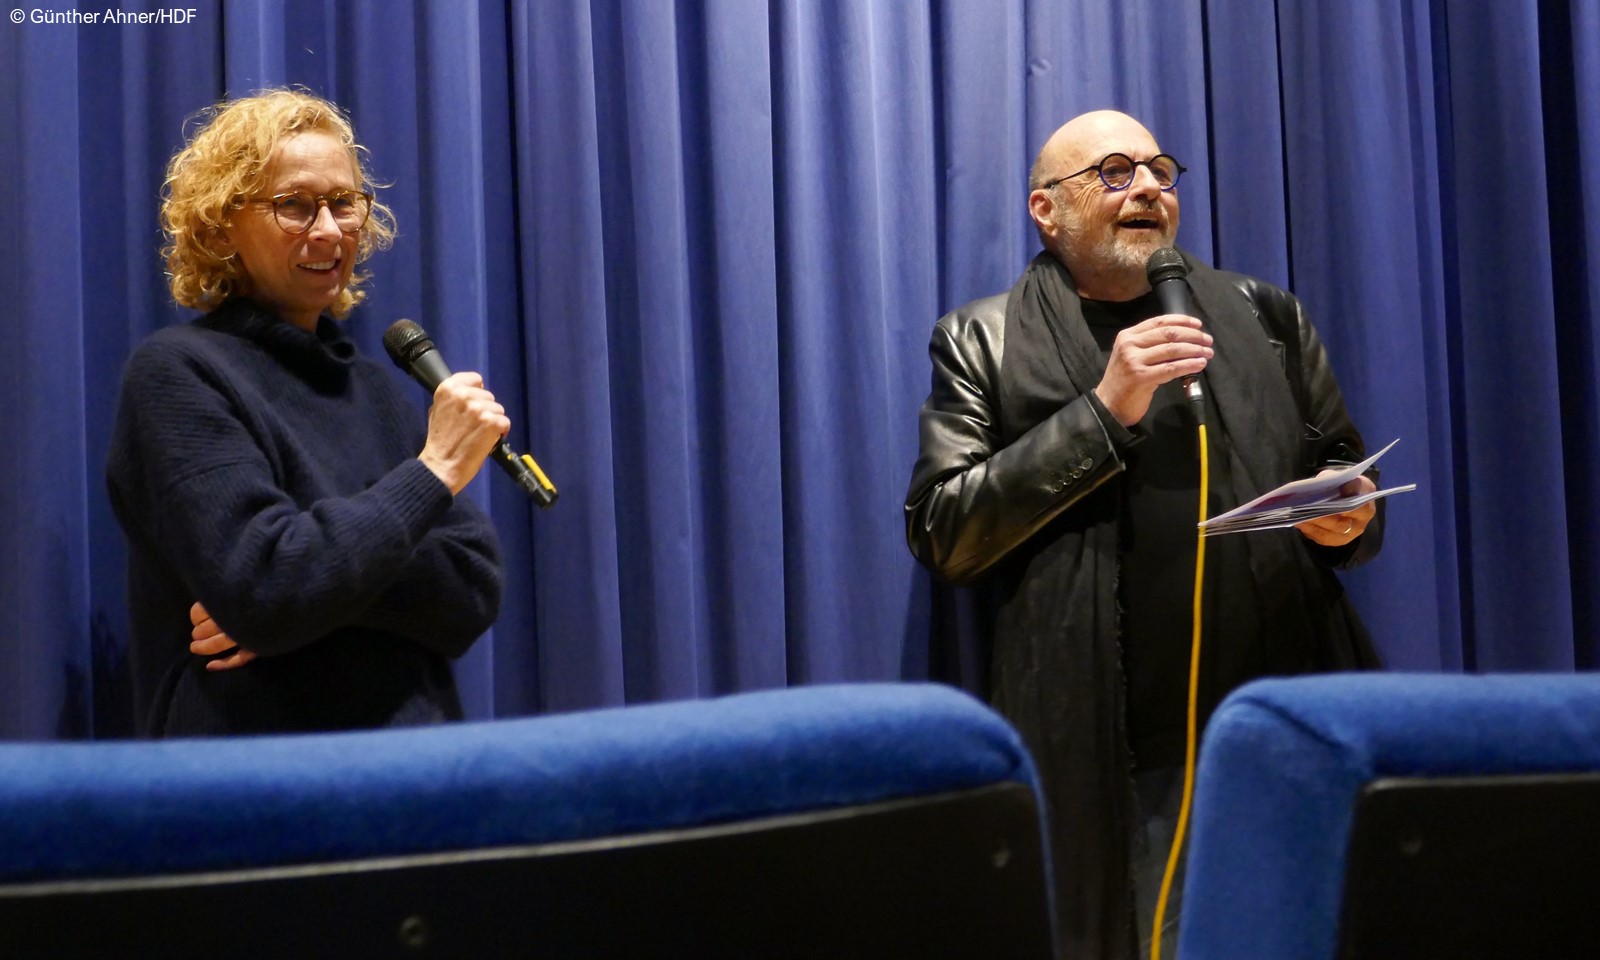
<point>1059,466</point>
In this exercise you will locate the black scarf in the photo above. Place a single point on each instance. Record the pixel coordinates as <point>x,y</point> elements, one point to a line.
<point>1056,669</point>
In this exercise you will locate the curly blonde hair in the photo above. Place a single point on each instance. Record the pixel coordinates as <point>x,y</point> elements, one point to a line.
<point>226,161</point>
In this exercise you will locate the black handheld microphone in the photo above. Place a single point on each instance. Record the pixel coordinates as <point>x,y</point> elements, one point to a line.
<point>1169,278</point>
<point>412,351</point>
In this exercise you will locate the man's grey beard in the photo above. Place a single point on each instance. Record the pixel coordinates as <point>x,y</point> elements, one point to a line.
<point>1116,253</point>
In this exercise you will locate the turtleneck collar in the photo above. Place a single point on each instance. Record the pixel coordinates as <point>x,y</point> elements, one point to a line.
<point>325,354</point>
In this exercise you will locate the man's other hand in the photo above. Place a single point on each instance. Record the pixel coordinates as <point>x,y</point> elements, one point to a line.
<point>1338,529</point>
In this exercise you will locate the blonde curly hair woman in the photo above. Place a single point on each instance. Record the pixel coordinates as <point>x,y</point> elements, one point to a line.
<point>209,180</point>
<point>297,557</point>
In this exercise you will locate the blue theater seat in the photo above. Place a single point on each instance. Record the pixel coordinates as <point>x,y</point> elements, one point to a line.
<point>1395,815</point>
<point>842,821</point>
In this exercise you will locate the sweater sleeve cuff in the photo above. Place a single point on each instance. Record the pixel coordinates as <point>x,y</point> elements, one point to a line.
<point>417,497</point>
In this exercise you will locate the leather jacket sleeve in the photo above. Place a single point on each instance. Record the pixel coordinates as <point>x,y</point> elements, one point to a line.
<point>972,498</point>
<point>1330,436</point>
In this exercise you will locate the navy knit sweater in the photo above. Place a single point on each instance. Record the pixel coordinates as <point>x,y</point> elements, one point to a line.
<point>271,474</point>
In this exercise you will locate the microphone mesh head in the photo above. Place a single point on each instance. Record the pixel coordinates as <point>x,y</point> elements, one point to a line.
<point>405,340</point>
<point>1165,264</point>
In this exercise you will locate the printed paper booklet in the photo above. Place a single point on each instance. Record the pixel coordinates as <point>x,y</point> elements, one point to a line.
<point>1300,500</point>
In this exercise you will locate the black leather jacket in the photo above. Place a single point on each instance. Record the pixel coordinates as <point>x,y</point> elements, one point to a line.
<point>1000,493</point>
<point>972,498</point>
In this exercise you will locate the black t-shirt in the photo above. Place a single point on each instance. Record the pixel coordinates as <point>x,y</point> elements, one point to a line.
<point>1155,585</point>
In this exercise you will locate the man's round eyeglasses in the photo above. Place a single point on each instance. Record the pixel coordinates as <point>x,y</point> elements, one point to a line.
<point>1117,170</point>
<point>296,212</point>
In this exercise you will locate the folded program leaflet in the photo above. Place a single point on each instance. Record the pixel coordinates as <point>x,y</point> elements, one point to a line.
<point>1300,500</point>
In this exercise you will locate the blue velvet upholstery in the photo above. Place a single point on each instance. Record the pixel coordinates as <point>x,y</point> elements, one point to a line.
<point>74,810</point>
<point>1283,762</point>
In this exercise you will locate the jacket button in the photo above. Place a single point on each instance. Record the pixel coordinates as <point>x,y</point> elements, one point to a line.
<point>1086,464</point>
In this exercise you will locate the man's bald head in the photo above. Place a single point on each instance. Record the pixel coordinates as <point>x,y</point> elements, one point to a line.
<point>1103,235</point>
<point>1083,140</point>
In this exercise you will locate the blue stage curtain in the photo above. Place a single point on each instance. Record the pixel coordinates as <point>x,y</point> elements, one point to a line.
<point>697,248</point>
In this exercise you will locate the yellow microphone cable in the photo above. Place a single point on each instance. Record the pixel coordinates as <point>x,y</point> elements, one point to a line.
<point>1194,688</point>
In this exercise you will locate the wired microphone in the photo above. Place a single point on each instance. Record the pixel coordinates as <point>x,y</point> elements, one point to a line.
<point>1169,278</point>
<point>412,351</point>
